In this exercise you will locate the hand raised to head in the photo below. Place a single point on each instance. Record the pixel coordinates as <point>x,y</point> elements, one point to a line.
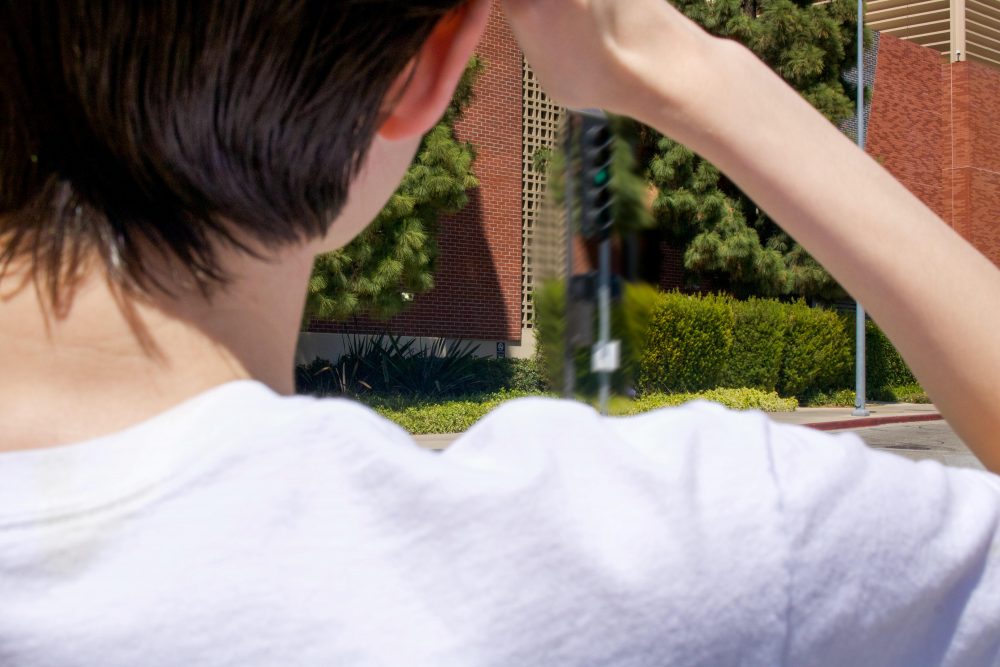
<point>607,54</point>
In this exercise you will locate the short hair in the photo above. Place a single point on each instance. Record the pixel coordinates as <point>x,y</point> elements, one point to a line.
<point>142,126</point>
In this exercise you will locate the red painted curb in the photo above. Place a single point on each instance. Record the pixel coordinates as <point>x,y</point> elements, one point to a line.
<point>863,422</point>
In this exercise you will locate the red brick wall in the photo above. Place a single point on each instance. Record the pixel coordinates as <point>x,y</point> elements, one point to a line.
<point>972,91</point>
<point>937,129</point>
<point>477,293</point>
<point>907,129</point>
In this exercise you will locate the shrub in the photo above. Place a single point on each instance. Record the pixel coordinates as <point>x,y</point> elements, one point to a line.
<point>551,324</point>
<point>817,351</point>
<point>550,330</point>
<point>434,369</point>
<point>526,376</point>
<point>428,416</point>
<point>884,367</point>
<point>639,303</point>
<point>317,378</point>
<point>839,398</point>
<point>758,345</point>
<point>736,399</point>
<point>510,375</point>
<point>455,416</point>
<point>386,366</point>
<point>908,393</point>
<point>687,344</point>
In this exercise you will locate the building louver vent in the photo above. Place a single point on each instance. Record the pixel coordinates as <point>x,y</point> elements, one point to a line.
<point>541,127</point>
<point>958,29</point>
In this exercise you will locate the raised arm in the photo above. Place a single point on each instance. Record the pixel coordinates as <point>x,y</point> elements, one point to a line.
<point>644,59</point>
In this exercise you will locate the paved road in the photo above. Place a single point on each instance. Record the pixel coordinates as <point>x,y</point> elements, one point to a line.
<point>924,440</point>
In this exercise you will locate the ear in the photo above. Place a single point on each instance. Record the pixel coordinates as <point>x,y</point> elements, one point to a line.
<point>425,88</point>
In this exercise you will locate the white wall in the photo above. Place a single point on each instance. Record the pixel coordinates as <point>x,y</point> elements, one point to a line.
<point>332,346</point>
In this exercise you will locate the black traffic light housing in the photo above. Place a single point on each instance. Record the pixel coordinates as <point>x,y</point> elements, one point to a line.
<point>596,142</point>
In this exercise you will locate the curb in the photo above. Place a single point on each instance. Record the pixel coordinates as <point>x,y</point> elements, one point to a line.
<point>865,422</point>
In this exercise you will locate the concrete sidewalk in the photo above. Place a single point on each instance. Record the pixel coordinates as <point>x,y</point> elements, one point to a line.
<point>827,419</point>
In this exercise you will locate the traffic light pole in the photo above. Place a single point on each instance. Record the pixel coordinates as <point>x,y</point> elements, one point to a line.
<point>569,353</point>
<point>604,317</point>
<point>596,197</point>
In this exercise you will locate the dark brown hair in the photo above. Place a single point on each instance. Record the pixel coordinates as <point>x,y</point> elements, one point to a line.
<point>167,126</point>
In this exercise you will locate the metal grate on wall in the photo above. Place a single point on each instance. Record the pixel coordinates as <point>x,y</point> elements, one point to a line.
<point>850,125</point>
<point>541,119</point>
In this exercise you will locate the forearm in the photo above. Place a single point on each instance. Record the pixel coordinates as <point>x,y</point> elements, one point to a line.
<point>933,293</point>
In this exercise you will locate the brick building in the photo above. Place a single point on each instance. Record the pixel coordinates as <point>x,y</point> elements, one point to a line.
<point>935,117</point>
<point>934,122</point>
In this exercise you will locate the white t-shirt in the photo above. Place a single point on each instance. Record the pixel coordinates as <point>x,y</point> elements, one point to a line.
<point>243,528</point>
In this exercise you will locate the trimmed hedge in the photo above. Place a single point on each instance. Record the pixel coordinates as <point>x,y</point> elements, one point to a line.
<point>516,375</point>
<point>687,345</point>
<point>885,368</point>
<point>755,359</point>
<point>817,351</point>
<point>631,314</point>
<point>674,343</point>
<point>910,393</point>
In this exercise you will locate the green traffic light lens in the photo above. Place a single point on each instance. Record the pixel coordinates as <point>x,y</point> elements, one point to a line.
<point>601,177</point>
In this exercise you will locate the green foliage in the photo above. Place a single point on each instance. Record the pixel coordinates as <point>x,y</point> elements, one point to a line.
<point>677,343</point>
<point>318,378</point>
<point>884,366</point>
<point>630,187</point>
<point>725,236</point>
<point>887,376</point>
<point>516,375</point>
<point>550,330</point>
<point>395,254</point>
<point>454,416</point>
<point>835,398</point>
<point>384,366</point>
<point>438,369</point>
<point>758,345</point>
<point>639,303</point>
<point>525,376</point>
<point>628,184</point>
<point>688,342</point>
<point>907,393</point>
<point>630,316</point>
<point>736,399</point>
<point>817,351</point>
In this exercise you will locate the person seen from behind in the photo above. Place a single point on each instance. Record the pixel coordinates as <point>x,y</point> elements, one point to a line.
<point>168,172</point>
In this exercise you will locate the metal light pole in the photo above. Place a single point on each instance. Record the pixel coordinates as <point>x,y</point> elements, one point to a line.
<point>859,362</point>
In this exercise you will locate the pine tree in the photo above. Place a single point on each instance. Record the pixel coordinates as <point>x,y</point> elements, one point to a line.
<point>394,256</point>
<point>725,236</point>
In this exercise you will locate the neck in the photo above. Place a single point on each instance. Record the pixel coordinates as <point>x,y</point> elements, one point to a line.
<point>106,364</point>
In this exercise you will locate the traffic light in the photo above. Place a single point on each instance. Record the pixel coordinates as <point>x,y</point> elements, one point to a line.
<point>595,151</point>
